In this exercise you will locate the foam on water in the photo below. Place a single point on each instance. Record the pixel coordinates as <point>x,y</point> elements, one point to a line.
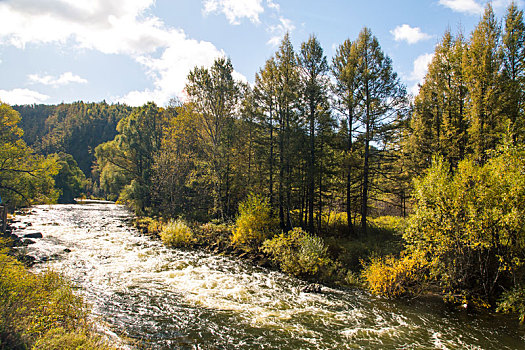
<point>167,298</point>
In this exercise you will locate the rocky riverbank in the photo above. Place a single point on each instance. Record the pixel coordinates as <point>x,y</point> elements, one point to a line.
<point>20,234</point>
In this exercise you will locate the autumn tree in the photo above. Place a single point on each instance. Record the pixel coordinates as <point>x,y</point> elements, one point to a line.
<point>439,123</point>
<point>287,88</point>
<point>25,177</point>
<point>513,54</point>
<point>214,93</point>
<point>348,95</point>
<point>382,97</point>
<point>315,85</point>
<point>482,64</point>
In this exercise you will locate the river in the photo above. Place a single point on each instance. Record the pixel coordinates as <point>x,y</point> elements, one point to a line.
<point>158,298</point>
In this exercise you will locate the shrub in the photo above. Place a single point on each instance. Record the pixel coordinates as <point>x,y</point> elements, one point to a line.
<point>513,301</point>
<point>254,223</point>
<point>33,306</point>
<point>394,224</point>
<point>470,223</point>
<point>298,253</point>
<point>395,277</point>
<point>155,227</point>
<point>143,223</point>
<point>176,234</point>
<point>60,339</point>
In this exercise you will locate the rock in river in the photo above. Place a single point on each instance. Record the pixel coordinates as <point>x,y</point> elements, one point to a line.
<point>33,235</point>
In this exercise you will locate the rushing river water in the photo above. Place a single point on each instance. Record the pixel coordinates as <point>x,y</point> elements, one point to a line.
<point>158,298</point>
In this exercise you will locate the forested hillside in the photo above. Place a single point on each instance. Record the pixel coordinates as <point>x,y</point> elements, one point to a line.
<point>75,128</point>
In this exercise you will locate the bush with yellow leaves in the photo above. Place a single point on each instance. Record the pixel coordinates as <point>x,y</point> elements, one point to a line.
<point>396,277</point>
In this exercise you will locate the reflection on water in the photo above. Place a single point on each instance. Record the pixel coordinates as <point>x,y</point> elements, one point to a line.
<point>163,299</point>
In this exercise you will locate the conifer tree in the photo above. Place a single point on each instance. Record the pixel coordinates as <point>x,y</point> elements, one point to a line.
<point>314,68</point>
<point>287,88</point>
<point>439,123</point>
<point>482,64</point>
<point>348,95</point>
<point>513,53</point>
<point>382,96</point>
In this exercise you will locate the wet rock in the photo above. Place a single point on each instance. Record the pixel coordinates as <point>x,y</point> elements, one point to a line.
<point>26,242</point>
<point>67,250</point>
<point>312,288</point>
<point>27,260</point>
<point>33,235</point>
<point>264,263</point>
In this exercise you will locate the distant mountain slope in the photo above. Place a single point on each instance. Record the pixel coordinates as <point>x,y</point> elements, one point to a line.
<point>74,128</point>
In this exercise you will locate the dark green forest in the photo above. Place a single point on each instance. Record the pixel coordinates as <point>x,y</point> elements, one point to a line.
<point>328,167</point>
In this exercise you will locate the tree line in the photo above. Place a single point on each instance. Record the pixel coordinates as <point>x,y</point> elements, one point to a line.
<point>315,137</point>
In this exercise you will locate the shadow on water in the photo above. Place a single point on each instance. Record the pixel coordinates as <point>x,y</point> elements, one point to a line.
<point>173,299</point>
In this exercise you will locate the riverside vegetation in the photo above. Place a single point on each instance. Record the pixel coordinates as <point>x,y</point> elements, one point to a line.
<point>330,172</point>
<point>41,311</point>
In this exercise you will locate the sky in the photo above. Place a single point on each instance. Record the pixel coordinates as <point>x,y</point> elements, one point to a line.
<point>135,51</point>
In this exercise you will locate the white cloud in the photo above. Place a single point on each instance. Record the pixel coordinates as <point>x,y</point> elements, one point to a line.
<point>410,34</point>
<point>63,79</point>
<point>273,5</point>
<point>111,27</point>
<point>22,96</point>
<point>235,10</point>
<point>419,71</point>
<point>468,6</point>
<point>170,70</point>
<point>115,26</point>
<point>279,30</point>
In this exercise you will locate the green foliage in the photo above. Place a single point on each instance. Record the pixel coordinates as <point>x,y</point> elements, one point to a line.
<point>254,223</point>
<point>25,177</point>
<point>70,180</point>
<point>513,301</point>
<point>34,309</point>
<point>73,128</point>
<point>396,277</point>
<point>128,159</point>
<point>176,233</point>
<point>298,253</point>
<point>394,224</point>
<point>61,339</point>
<point>470,225</point>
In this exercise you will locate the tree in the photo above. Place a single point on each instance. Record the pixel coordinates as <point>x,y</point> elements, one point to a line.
<point>287,87</point>
<point>25,177</point>
<point>315,84</point>
<point>513,54</point>
<point>214,93</point>
<point>70,180</point>
<point>132,152</point>
<point>439,124</point>
<point>482,65</point>
<point>469,224</point>
<point>265,96</point>
<point>382,97</point>
<point>347,93</point>
<point>177,172</point>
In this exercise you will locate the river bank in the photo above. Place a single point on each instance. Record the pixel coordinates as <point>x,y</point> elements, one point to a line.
<point>160,298</point>
<point>40,310</point>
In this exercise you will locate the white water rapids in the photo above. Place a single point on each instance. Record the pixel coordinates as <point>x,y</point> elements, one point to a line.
<point>159,298</point>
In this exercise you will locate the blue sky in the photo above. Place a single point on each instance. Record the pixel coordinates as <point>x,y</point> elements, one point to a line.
<point>134,51</point>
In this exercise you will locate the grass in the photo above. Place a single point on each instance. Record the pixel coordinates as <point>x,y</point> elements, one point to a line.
<point>41,311</point>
